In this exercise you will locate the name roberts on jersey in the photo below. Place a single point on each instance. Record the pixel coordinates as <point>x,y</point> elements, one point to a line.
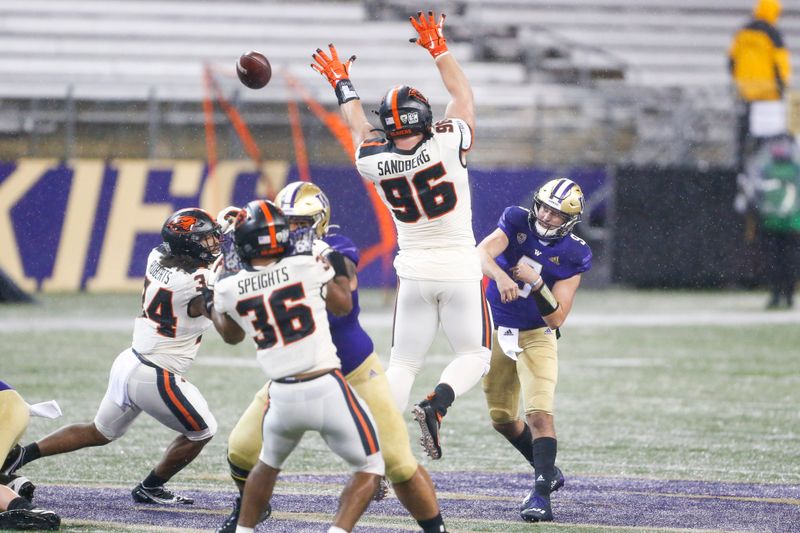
<point>158,272</point>
<point>165,334</point>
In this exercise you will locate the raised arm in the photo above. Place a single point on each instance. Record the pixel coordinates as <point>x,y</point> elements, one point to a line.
<point>338,75</point>
<point>431,38</point>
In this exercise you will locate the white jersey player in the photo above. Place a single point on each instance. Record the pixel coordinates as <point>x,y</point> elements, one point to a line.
<point>148,376</point>
<point>279,300</point>
<point>420,171</point>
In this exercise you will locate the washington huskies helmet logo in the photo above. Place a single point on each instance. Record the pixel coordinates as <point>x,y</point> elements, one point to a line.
<point>183,224</point>
<point>562,196</point>
<point>521,237</point>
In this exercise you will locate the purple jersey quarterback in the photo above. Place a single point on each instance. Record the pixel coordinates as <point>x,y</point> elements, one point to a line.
<point>560,259</point>
<point>353,345</point>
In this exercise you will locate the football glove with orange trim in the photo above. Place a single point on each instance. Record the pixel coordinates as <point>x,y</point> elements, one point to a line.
<point>336,72</point>
<point>431,33</point>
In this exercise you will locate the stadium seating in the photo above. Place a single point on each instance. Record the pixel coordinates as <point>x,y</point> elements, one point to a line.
<point>124,49</point>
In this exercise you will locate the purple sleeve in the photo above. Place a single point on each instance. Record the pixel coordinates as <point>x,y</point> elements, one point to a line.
<point>509,221</point>
<point>344,246</point>
<point>5,386</point>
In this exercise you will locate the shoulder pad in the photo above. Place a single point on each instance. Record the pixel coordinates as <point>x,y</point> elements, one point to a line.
<point>373,146</point>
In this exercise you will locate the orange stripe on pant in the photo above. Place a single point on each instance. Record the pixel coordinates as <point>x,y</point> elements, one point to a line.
<point>360,415</point>
<point>487,323</point>
<point>177,403</point>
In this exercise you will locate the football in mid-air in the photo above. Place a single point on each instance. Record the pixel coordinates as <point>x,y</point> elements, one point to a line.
<point>254,69</point>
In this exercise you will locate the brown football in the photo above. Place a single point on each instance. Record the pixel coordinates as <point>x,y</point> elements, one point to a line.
<point>253,69</point>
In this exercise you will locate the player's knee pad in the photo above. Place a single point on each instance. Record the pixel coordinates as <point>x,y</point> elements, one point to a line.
<point>372,465</point>
<point>205,434</point>
<point>238,473</point>
<point>242,452</point>
<point>242,456</point>
<point>408,363</point>
<point>400,471</point>
<point>110,434</point>
<point>502,416</point>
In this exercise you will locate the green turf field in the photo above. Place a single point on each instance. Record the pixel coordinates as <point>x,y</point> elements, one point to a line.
<point>665,385</point>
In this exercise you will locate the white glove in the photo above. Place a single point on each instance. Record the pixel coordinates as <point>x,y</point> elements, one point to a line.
<point>226,217</point>
<point>215,270</point>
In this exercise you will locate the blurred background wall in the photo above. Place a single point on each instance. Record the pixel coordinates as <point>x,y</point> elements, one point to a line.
<point>114,113</point>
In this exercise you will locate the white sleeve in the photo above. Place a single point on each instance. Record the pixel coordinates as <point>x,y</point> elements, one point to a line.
<point>324,272</point>
<point>222,296</point>
<point>466,134</point>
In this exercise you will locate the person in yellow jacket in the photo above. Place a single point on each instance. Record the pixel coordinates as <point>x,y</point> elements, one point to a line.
<point>759,64</point>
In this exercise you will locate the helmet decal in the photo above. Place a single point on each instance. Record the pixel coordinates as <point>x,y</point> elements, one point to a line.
<point>192,232</point>
<point>405,111</point>
<point>183,223</point>
<point>562,196</point>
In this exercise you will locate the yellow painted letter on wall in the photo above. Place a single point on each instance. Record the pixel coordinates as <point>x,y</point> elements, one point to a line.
<point>76,234</point>
<point>129,217</point>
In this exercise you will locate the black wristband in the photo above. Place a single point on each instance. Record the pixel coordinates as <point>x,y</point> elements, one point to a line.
<point>336,259</point>
<point>345,91</point>
<point>208,298</point>
<point>545,301</point>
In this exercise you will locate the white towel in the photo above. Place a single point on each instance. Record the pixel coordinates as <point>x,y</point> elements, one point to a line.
<point>48,409</point>
<point>121,370</point>
<point>509,341</point>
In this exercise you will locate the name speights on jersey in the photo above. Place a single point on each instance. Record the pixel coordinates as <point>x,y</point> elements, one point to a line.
<point>264,280</point>
<point>403,165</point>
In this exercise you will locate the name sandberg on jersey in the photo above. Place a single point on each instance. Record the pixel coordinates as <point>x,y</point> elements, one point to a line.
<point>281,307</point>
<point>427,190</point>
<point>557,260</point>
<point>165,334</point>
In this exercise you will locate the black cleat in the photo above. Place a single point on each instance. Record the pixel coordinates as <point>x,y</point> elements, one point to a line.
<point>30,519</point>
<point>160,495</point>
<point>536,508</point>
<point>536,505</point>
<point>557,481</point>
<point>22,486</point>
<point>229,525</point>
<point>13,460</point>
<point>429,421</point>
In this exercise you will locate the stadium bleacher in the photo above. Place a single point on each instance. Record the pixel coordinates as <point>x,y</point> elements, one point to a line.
<point>577,67</point>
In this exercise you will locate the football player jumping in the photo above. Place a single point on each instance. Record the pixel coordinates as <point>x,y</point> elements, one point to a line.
<point>306,205</point>
<point>279,300</point>
<point>148,376</point>
<point>419,169</point>
<point>535,248</point>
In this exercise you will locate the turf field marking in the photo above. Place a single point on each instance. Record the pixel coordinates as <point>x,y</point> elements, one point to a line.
<point>380,319</point>
<point>124,526</point>
<point>756,499</point>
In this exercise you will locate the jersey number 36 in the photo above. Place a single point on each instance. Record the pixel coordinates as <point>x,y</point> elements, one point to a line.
<point>294,322</point>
